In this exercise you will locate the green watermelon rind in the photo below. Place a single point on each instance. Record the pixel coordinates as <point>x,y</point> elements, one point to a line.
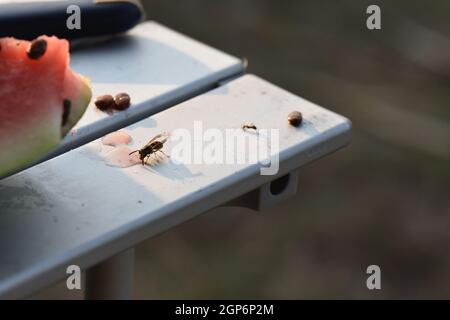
<point>79,103</point>
<point>35,137</point>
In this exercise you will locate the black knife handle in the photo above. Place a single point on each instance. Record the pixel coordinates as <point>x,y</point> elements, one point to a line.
<point>98,18</point>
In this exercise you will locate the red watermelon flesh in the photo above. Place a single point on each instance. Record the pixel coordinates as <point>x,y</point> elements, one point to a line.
<point>41,99</point>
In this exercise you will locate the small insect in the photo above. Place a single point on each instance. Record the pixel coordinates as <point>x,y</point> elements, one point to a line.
<point>249,126</point>
<point>152,147</point>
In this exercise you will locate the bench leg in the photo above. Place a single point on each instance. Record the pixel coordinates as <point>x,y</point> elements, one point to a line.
<point>111,279</point>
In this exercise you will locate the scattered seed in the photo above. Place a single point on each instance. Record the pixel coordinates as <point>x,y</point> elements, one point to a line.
<point>249,126</point>
<point>105,102</point>
<point>37,49</point>
<point>123,101</point>
<point>67,105</point>
<point>295,118</point>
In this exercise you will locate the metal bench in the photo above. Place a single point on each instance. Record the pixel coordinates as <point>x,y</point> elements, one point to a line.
<point>75,209</point>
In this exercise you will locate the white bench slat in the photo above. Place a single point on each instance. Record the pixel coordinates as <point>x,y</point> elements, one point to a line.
<point>74,209</point>
<point>152,63</point>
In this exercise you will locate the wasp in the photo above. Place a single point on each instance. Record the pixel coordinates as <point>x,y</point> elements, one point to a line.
<point>152,147</point>
<point>249,126</point>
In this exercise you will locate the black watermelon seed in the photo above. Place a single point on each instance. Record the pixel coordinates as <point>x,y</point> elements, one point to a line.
<point>67,105</point>
<point>122,100</point>
<point>295,118</point>
<point>105,102</point>
<point>37,49</point>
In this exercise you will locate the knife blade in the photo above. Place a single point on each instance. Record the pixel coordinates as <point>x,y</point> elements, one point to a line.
<point>97,18</point>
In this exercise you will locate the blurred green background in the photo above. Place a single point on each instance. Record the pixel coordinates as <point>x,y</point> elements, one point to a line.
<point>384,200</point>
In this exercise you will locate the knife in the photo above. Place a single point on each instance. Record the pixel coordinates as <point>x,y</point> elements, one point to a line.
<point>71,20</point>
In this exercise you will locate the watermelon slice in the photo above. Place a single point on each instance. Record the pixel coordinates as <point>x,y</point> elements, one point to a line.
<point>41,99</point>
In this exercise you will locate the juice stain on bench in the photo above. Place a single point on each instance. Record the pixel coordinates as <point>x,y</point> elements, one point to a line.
<point>119,156</point>
<point>117,138</point>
